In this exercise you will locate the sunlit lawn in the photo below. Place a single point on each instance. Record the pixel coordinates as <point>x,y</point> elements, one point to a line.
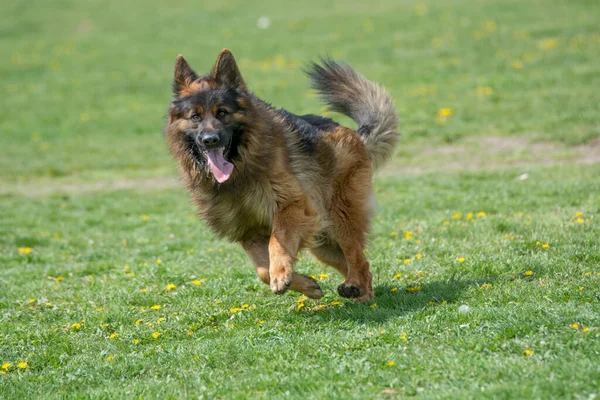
<point>484,250</point>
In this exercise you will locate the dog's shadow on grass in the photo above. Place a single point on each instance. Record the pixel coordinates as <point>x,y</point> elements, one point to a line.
<point>396,300</point>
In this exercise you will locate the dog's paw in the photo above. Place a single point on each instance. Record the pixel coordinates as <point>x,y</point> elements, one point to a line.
<point>349,290</point>
<point>365,297</point>
<point>280,284</point>
<point>313,290</point>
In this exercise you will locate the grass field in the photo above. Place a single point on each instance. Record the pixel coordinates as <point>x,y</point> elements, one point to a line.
<point>485,249</point>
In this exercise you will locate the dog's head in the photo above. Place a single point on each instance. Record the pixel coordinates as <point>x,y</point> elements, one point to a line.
<point>208,115</point>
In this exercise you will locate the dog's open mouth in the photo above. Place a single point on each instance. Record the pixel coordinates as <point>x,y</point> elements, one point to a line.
<point>218,165</point>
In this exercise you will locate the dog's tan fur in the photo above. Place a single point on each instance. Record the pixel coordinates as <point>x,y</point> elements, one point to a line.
<point>281,198</point>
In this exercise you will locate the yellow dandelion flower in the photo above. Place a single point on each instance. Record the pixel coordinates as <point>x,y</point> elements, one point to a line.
<point>2,372</point>
<point>456,215</point>
<point>548,44</point>
<point>421,9</point>
<point>105,325</point>
<point>314,277</point>
<point>486,285</point>
<point>113,336</point>
<point>25,250</point>
<point>394,234</point>
<point>139,321</point>
<point>260,322</point>
<point>460,259</point>
<point>145,218</point>
<point>575,326</point>
<point>156,335</point>
<point>408,235</point>
<point>217,302</point>
<point>76,325</point>
<point>235,310</point>
<point>578,214</point>
<point>143,290</point>
<point>110,358</point>
<point>407,261</point>
<point>391,363</point>
<point>323,276</point>
<point>517,64</point>
<point>413,289</point>
<point>197,282</point>
<point>135,341</point>
<point>580,288</point>
<point>469,216</point>
<point>335,303</point>
<point>585,329</point>
<point>189,333</point>
<point>170,287</point>
<point>445,112</point>
<point>6,365</point>
<point>528,352</point>
<point>394,290</point>
<point>22,365</point>
<point>545,246</point>
<point>529,273</point>
<point>398,276</point>
<point>481,214</point>
<point>419,256</point>
<point>374,305</point>
<point>59,279</point>
<point>483,91</point>
<point>150,325</point>
<point>156,307</point>
<point>31,301</point>
<point>159,261</point>
<point>580,220</point>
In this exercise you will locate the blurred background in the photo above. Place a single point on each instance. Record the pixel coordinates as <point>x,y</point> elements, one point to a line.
<point>86,84</point>
<point>490,203</point>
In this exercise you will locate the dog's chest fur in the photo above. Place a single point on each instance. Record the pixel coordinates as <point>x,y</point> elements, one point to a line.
<point>239,213</point>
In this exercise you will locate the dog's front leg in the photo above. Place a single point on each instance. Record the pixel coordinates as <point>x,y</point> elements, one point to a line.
<point>293,227</point>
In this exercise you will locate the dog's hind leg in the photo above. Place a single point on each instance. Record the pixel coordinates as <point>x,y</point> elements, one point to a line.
<point>351,214</point>
<point>258,251</point>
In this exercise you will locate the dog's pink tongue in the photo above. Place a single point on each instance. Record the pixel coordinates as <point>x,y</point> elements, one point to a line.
<point>219,167</point>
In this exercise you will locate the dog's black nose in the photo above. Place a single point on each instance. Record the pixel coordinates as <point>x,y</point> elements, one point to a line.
<point>210,140</point>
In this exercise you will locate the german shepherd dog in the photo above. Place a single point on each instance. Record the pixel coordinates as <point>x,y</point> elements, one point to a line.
<point>276,182</point>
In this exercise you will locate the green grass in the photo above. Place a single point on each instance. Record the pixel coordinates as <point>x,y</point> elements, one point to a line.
<point>86,87</point>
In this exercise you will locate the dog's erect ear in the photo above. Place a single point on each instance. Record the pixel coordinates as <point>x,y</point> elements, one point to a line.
<point>184,76</point>
<point>226,72</point>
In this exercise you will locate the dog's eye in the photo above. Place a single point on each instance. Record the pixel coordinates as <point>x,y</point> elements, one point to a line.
<point>221,113</point>
<point>195,118</point>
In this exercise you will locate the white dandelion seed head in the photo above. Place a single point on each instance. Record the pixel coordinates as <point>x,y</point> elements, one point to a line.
<point>464,309</point>
<point>263,22</point>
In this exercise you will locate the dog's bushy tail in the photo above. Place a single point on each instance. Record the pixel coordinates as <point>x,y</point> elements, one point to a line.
<point>347,92</point>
